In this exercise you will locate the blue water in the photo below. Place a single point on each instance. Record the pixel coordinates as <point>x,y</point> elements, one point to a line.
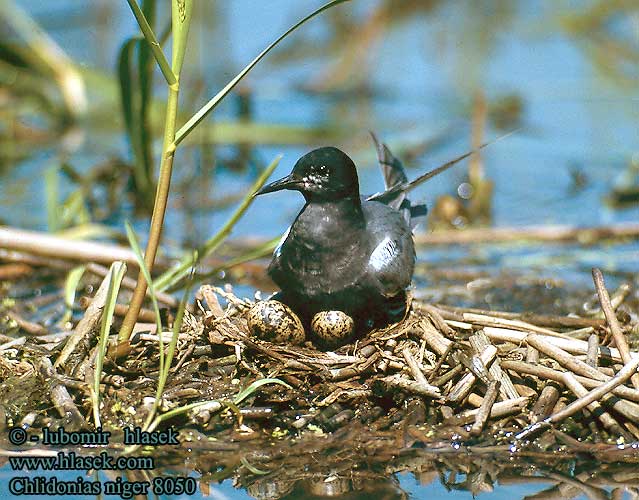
<point>422,71</point>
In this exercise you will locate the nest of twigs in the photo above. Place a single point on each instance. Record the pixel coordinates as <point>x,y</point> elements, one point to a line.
<point>443,380</point>
<point>472,375</point>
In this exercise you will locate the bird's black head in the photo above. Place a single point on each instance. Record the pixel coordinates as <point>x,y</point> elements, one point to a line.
<point>324,174</point>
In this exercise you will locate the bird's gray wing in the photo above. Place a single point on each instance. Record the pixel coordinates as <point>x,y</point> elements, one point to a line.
<point>392,257</point>
<point>393,172</point>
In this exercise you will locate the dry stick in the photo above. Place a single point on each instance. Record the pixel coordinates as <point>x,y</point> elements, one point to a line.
<point>592,357</point>
<point>546,373</point>
<point>353,371</point>
<point>624,374</point>
<point>62,248</point>
<point>387,354</point>
<point>538,233</point>
<point>460,325</point>
<point>564,358</point>
<point>210,297</point>
<point>414,367</point>
<point>573,346</point>
<point>536,319</point>
<point>498,410</point>
<point>79,342</point>
<point>620,295</point>
<point>399,382</point>
<point>60,396</point>
<point>463,387</point>
<point>483,320</point>
<point>438,320</point>
<point>449,375</point>
<point>507,390</point>
<point>581,333</point>
<point>486,407</point>
<point>629,411</point>
<point>8,343</point>
<point>532,355</point>
<point>445,311</point>
<point>571,488</point>
<point>595,408</point>
<point>440,362</point>
<point>545,403</point>
<point>613,322</point>
<point>435,340</point>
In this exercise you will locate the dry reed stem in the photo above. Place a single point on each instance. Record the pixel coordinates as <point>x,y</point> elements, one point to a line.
<point>405,384</point>
<point>464,386</point>
<point>483,413</point>
<point>613,322</point>
<point>594,395</point>
<point>592,356</point>
<point>44,244</point>
<point>499,409</point>
<point>545,402</point>
<point>573,346</point>
<point>564,358</point>
<point>61,397</point>
<point>434,339</point>
<point>413,366</point>
<point>28,327</point>
<point>514,324</point>
<point>507,390</point>
<point>595,408</point>
<point>78,344</point>
<point>545,373</point>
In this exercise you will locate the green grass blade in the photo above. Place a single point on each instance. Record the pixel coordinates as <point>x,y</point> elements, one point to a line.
<point>181,20</point>
<point>130,234</point>
<point>177,326</point>
<point>156,49</point>
<point>188,127</point>
<point>242,395</point>
<point>116,273</point>
<point>131,110</point>
<point>214,404</point>
<point>73,210</point>
<point>252,254</point>
<point>172,276</point>
<point>70,286</point>
<point>253,469</point>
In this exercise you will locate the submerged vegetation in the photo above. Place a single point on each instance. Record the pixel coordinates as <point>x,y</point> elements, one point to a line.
<point>504,361</point>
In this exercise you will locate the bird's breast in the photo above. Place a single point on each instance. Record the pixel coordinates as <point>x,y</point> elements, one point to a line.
<point>322,252</point>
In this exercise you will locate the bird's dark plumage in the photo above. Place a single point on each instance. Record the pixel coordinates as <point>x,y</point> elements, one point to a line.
<point>343,251</point>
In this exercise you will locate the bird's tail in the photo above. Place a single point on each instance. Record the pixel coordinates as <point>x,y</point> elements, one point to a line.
<point>398,185</point>
<point>395,175</point>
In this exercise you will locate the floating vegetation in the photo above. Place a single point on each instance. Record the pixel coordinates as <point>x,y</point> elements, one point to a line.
<point>526,390</point>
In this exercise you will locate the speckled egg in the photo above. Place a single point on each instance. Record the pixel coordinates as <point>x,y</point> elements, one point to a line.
<point>332,326</point>
<point>274,321</point>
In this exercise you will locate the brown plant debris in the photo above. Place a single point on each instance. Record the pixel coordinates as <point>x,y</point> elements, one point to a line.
<point>442,379</point>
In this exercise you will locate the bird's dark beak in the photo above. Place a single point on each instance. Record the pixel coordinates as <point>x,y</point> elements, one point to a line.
<point>288,182</point>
